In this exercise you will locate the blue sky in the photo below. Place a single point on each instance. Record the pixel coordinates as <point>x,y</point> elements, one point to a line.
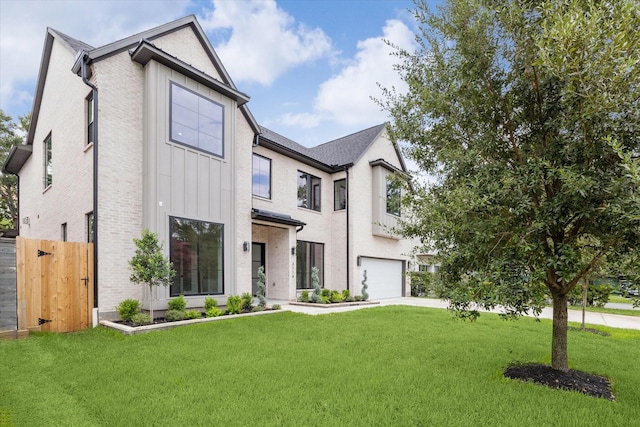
<point>310,66</point>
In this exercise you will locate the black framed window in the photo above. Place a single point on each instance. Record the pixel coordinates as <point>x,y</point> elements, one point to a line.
<point>393,196</point>
<point>309,255</point>
<point>309,191</point>
<point>261,176</point>
<point>63,232</point>
<point>47,162</point>
<point>90,226</point>
<point>90,118</point>
<point>196,121</point>
<point>197,254</point>
<point>339,194</point>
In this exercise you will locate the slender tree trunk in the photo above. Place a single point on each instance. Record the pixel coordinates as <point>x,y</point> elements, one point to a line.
<point>559,355</point>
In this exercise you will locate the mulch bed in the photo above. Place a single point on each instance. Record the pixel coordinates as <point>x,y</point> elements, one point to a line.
<point>591,330</point>
<point>589,384</point>
<point>159,320</point>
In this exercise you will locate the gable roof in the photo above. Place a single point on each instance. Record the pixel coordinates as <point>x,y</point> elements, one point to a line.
<point>331,156</point>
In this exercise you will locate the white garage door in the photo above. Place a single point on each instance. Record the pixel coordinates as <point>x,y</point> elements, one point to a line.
<point>384,277</point>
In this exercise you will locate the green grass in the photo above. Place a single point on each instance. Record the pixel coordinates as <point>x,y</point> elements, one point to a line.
<point>400,366</point>
<point>620,299</point>
<point>623,312</point>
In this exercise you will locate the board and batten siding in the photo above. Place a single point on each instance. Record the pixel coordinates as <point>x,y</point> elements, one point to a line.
<point>184,182</point>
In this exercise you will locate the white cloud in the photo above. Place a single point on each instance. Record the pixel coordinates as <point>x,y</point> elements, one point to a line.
<point>346,97</point>
<point>264,40</point>
<point>301,120</point>
<point>23,27</point>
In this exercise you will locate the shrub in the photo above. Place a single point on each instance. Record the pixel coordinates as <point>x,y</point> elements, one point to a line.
<point>349,299</point>
<point>140,319</point>
<point>247,301</point>
<point>325,293</point>
<point>365,294</point>
<point>315,281</point>
<point>275,307</point>
<point>262,287</point>
<point>174,315</point>
<point>336,296</point>
<point>324,299</point>
<point>192,314</point>
<point>304,296</point>
<point>358,298</point>
<point>214,312</point>
<point>128,308</point>
<point>210,303</point>
<point>420,283</point>
<point>257,309</point>
<point>597,295</point>
<point>233,304</point>
<point>177,303</point>
<point>346,294</point>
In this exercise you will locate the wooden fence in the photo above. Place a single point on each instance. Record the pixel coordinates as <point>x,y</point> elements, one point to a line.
<point>54,285</point>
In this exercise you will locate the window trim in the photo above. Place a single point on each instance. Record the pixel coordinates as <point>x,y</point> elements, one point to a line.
<point>270,180</point>
<point>222,246</point>
<point>90,118</point>
<point>393,199</point>
<point>185,144</point>
<point>311,195</point>
<point>47,155</point>
<point>342,181</point>
<point>322,270</point>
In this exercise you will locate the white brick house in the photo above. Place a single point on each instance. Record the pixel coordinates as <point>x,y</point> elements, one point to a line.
<point>151,132</point>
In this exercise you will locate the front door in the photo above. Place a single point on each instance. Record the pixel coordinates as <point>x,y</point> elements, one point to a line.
<point>257,260</point>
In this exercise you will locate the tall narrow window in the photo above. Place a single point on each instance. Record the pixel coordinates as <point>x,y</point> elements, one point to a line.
<point>63,232</point>
<point>393,196</point>
<point>339,194</point>
<point>47,162</point>
<point>309,191</point>
<point>309,255</point>
<point>196,249</point>
<point>90,117</point>
<point>196,121</point>
<point>261,178</point>
<point>90,227</point>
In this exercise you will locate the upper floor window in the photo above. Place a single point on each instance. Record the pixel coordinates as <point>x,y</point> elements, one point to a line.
<point>339,194</point>
<point>393,196</point>
<point>309,191</point>
<point>261,177</point>
<point>196,121</point>
<point>47,169</point>
<point>90,117</point>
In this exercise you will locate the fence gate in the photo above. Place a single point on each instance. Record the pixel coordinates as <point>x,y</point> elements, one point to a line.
<point>55,285</point>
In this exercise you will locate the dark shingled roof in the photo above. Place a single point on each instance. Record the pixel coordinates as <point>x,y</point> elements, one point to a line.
<point>334,154</point>
<point>74,44</point>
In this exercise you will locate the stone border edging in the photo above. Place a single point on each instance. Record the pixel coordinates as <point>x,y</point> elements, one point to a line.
<point>333,304</point>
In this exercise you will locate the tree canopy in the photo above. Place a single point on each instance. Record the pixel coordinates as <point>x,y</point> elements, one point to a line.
<point>527,115</point>
<point>10,135</point>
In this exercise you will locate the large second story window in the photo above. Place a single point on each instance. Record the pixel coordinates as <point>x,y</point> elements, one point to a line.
<point>48,169</point>
<point>261,177</point>
<point>309,191</point>
<point>339,194</point>
<point>393,197</point>
<point>196,121</point>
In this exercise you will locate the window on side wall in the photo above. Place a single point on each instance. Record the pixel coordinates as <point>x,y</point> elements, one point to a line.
<point>339,194</point>
<point>63,232</point>
<point>197,254</point>
<point>309,255</point>
<point>90,226</point>
<point>261,177</point>
<point>90,118</point>
<point>47,163</point>
<point>196,121</point>
<point>309,191</point>
<point>393,196</point>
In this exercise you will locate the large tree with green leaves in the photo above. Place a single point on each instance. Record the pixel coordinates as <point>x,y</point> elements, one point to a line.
<point>9,136</point>
<point>527,114</point>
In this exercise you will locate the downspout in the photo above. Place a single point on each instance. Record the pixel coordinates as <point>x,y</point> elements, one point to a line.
<point>94,90</point>
<point>346,169</point>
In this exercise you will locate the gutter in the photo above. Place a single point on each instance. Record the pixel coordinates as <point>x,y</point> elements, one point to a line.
<point>84,57</point>
<point>346,169</point>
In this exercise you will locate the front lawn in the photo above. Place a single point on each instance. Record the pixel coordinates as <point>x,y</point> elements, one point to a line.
<point>391,365</point>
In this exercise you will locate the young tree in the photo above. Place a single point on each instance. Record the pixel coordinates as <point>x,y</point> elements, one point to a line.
<point>149,266</point>
<point>9,136</point>
<point>528,115</point>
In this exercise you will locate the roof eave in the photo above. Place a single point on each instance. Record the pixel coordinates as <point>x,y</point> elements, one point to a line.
<point>16,159</point>
<point>285,151</point>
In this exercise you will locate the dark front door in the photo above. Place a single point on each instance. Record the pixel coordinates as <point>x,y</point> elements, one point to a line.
<point>257,260</point>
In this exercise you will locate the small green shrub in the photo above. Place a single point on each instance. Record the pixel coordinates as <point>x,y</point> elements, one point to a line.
<point>192,314</point>
<point>177,303</point>
<point>325,293</point>
<point>140,319</point>
<point>128,308</point>
<point>174,315</point>
<point>336,296</point>
<point>210,303</point>
<point>421,283</point>
<point>346,294</point>
<point>365,294</point>
<point>324,300</point>
<point>262,287</point>
<point>257,309</point>
<point>315,281</point>
<point>304,296</point>
<point>233,304</point>
<point>247,301</point>
<point>275,307</point>
<point>214,312</point>
<point>358,298</point>
<point>349,299</point>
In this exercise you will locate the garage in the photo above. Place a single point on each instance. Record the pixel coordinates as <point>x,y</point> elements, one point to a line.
<point>384,277</point>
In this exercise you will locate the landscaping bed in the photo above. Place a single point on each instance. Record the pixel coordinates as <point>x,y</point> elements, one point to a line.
<point>334,304</point>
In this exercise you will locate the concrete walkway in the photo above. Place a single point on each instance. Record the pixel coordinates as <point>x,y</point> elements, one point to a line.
<point>592,318</point>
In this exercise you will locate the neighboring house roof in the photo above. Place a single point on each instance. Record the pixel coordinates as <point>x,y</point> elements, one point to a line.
<point>331,156</point>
